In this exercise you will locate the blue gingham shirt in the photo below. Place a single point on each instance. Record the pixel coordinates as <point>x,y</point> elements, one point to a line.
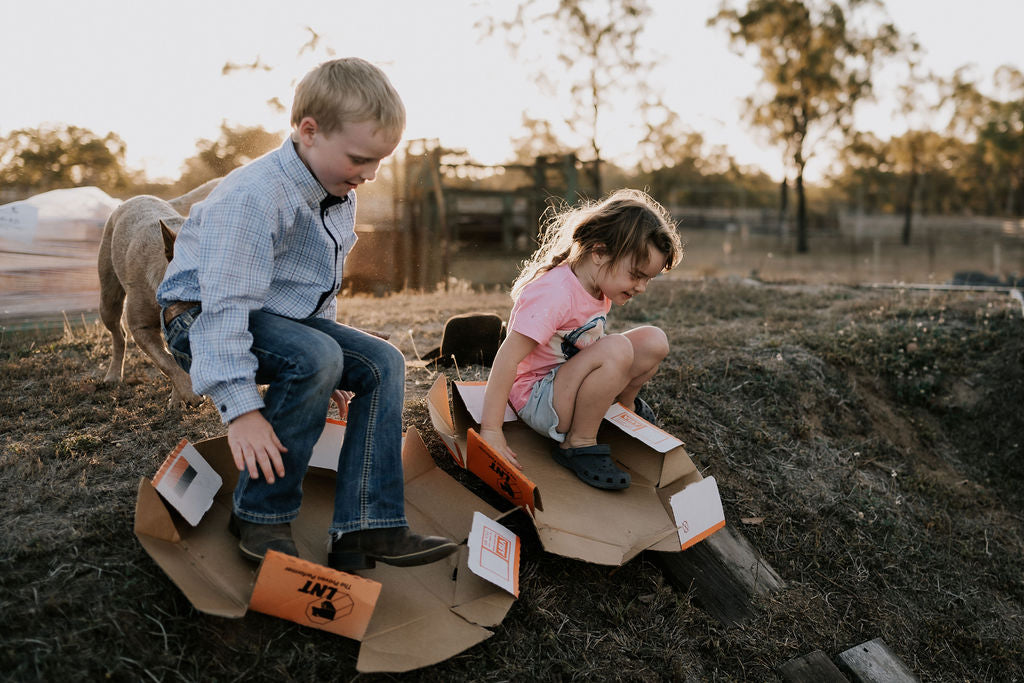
<point>267,238</point>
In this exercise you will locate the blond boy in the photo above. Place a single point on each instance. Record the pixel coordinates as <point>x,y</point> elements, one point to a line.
<point>249,299</point>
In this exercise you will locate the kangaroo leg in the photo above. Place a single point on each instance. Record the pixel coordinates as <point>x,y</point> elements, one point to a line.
<point>144,322</point>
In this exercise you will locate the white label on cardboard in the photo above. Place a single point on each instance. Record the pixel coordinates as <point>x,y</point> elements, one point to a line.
<point>328,447</point>
<point>641,429</point>
<point>494,553</point>
<point>698,511</point>
<point>18,221</point>
<point>187,482</point>
<point>473,396</point>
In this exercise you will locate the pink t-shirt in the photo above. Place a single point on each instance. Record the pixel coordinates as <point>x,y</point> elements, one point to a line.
<point>559,314</point>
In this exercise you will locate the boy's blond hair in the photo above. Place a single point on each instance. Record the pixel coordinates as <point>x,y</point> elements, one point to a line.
<point>349,90</point>
<point>623,225</point>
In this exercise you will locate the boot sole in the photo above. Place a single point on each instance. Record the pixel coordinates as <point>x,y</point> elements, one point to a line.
<point>347,560</point>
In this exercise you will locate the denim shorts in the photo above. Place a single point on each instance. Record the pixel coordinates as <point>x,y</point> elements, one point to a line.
<point>539,411</point>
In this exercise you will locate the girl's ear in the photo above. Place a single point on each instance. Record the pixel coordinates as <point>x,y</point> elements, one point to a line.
<point>600,255</point>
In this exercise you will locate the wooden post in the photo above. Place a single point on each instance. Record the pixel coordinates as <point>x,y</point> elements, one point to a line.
<point>725,571</point>
<point>815,667</point>
<point>874,662</point>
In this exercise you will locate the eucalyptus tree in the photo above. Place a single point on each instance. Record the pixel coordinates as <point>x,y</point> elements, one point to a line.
<point>817,64</point>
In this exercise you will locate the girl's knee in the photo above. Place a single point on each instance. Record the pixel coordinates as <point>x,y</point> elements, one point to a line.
<point>616,348</point>
<point>649,342</point>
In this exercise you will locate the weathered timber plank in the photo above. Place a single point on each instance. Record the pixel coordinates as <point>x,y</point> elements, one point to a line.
<point>815,667</point>
<point>725,571</point>
<point>874,662</point>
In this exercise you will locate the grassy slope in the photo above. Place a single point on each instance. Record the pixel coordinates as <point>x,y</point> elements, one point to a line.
<point>877,432</point>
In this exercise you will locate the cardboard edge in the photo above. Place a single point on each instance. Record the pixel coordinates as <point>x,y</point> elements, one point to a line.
<point>152,517</point>
<point>439,408</point>
<point>701,536</point>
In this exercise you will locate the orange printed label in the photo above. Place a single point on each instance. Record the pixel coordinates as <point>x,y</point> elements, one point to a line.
<point>499,473</point>
<point>313,595</point>
<point>172,464</point>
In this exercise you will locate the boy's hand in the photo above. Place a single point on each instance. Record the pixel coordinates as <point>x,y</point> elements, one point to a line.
<point>495,438</point>
<point>255,446</point>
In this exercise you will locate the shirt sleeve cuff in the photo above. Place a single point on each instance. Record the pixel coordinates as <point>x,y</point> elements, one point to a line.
<point>232,400</point>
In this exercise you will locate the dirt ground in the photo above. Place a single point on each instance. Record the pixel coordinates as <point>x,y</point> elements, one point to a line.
<point>875,433</point>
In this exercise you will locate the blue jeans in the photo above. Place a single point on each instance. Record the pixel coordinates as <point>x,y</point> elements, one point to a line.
<point>303,362</point>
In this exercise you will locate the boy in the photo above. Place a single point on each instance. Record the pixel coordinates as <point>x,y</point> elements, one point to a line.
<point>249,298</point>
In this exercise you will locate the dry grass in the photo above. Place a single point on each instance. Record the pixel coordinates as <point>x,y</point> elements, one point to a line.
<point>877,432</point>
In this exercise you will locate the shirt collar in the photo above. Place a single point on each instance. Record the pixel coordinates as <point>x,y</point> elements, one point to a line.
<point>312,192</point>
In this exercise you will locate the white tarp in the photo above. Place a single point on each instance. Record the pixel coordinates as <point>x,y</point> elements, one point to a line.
<point>48,248</point>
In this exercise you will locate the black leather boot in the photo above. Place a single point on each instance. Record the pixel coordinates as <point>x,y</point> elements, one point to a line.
<point>254,540</point>
<point>395,546</point>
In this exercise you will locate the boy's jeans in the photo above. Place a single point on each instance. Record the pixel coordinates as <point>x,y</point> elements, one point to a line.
<point>304,361</point>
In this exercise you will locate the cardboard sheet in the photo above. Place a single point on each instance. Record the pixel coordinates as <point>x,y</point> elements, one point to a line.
<point>422,615</point>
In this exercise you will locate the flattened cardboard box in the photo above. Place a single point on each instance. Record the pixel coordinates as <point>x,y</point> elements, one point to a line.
<point>668,507</point>
<point>423,615</point>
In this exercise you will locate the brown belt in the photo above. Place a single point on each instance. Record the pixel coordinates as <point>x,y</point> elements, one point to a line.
<point>176,309</point>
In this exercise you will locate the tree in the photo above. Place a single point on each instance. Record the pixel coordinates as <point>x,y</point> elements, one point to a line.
<point>817,66</point>
<point>915,151</point>
<point>235,147</point>
<point>53,157</point>
<point>996,126</point>
<point>537,139</point>
<point>598,47</point>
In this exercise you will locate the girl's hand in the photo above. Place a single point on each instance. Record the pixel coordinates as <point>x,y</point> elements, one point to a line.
<point>495,438</point>
<point>341,399</point>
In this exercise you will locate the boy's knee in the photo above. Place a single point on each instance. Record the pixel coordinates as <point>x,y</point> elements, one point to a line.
<point>390,361</point>
<point>321,358</point>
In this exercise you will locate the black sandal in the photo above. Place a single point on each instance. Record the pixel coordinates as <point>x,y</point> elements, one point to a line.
<point>593,465</point>
<point>641,408</point>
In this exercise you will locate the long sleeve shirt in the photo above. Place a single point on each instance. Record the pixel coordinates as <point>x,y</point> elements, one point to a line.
<point>268,238</point>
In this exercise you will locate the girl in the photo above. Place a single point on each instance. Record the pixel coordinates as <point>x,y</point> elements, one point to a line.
<point>557,366</point>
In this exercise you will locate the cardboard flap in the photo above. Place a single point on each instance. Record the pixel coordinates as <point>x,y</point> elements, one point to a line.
<point>475,599</point>
<point>416,459</point>
<point>313,595</point>
<point>500,474</point>
<point>211,574</point>
<point>698,511</point>
<point>430,639</point>
<point>187,482</point>
<point>414,625</point>
<point>494,554</point>
<point>441,418</point>
<point>152,517</point>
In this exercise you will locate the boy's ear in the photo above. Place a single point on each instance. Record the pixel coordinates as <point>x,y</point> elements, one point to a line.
<point>307,130</point>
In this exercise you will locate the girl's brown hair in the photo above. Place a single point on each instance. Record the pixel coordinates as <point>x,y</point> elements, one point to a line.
<point>623,225</point>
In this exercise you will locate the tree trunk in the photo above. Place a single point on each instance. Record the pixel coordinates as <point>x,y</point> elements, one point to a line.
<point>801,213</point>
<point>908,207</point>
<point>783,205</point>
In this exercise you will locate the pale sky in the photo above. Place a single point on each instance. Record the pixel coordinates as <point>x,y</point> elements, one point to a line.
<point>151,71</point>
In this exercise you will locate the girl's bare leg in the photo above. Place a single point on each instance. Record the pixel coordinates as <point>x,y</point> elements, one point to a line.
<point>650,346</point>
<point>588,384</point>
